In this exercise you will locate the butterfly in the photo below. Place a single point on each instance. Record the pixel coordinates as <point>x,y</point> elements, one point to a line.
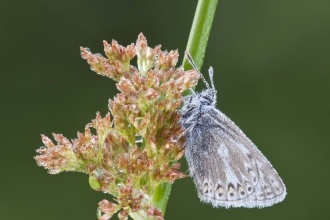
<point>227,168</point>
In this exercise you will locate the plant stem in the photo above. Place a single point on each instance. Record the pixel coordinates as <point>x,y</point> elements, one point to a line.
<point>161,195</point>
<point>196,46</point>
<point>199,32</point>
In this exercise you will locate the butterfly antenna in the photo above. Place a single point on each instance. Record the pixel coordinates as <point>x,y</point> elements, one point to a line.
<point>211,76</point>
<point>191,61</point>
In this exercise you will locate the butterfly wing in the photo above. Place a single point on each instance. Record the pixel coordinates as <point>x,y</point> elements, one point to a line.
<point>227,168</point>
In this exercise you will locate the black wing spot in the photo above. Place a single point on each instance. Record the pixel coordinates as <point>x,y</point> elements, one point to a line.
<point>230,185</point>
<point>206,188</point>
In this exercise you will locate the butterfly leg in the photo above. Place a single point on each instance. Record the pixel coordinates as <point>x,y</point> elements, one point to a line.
<point>191,127</point>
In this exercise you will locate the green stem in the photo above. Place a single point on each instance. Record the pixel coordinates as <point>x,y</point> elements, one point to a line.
<point>161,195</point>
<point>197,42</point>
<point>199,32</point>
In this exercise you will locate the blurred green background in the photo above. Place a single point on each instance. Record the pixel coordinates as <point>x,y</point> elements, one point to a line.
<point>272,72</point>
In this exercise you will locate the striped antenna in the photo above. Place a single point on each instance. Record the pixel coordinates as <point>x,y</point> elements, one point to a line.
<point>191,61</point>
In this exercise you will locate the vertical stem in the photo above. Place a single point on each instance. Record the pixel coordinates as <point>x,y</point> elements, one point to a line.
<point>199,32</point>
<point>197,42</point>
<point>161,196</point>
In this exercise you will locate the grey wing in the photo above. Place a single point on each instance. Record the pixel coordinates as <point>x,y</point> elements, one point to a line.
<point>227,168</point>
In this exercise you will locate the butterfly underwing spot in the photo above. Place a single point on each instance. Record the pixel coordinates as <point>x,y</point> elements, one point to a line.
<point>231,192</point>
<point>219,192</point>
<point>231,189</point>
<point>241,191</point>
<point>253,174</point>
<point>270,194</point>
<point>206,188</point>
<point>248,186</point>
<point>261,196</point>
<point>277,187</point>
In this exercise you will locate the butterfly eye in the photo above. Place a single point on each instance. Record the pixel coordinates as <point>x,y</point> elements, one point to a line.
<point>208,98</point>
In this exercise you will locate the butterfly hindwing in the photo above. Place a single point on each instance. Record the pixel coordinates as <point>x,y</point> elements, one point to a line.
<point>226,166</point>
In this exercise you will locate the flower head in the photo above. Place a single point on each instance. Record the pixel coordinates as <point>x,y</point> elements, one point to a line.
<point>132,153</point>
